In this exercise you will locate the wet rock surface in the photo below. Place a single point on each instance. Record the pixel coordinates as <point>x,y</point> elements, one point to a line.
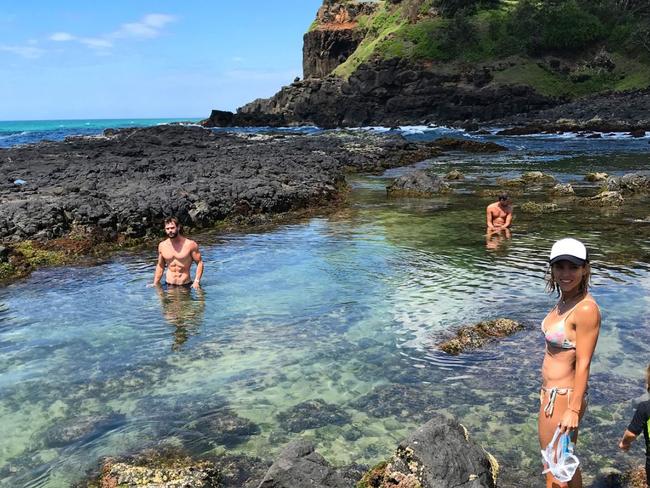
<point>125,182</point>
<point>605,199</point>
<point>538,208</point>
<point>300,465</point>
<point>167,467</point>
<point>418,184</point>
<point>477,335</point>
<point>630,183</point>
<point>626,112</point>
<point>438,454</point>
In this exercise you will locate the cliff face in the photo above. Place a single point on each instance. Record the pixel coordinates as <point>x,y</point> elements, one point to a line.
<point>334,36</point>
<point>392,92</point>
<point>397,62</point>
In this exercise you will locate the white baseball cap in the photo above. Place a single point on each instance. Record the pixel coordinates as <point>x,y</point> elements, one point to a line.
<point>569,249</point>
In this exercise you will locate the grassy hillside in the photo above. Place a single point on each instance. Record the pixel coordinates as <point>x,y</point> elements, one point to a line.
<point>560,47</point>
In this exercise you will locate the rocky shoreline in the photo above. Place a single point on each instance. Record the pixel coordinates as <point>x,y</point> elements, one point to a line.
<point>438,454</point>
<point>63,199</point>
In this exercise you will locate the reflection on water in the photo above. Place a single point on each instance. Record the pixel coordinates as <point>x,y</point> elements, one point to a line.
<point>333,319</point>
<point>496,240</point>
<point>183,307</point>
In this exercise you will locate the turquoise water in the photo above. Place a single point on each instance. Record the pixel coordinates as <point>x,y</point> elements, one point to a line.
<point>343,310</point>
<point>31,131</point>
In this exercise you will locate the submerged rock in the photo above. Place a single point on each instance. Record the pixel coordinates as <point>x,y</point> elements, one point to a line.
<point>538,208</point>
<point>596,177</point>
<point>82,428</point>
<point>476,336</point>
<point>438,454</point>
<point>224,427</point>
<point>418,184</point>
<point>312,414</point>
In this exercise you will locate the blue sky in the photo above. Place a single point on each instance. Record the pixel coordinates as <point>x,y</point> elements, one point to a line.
<point>125,58</point>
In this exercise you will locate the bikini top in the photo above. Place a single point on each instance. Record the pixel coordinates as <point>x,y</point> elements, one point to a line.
<point>556,334</point>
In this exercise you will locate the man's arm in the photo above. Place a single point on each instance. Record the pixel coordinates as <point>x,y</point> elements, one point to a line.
<point>634,429</point>
<point>489,218</point>
<point>160,268</point>
<point>626,441</point>
<point>508,219</point>
<point>196,257</point>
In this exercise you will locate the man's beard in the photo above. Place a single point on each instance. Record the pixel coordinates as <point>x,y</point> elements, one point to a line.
<point>171,234</point>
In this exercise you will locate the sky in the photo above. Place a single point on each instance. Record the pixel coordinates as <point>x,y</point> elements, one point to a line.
<point>75,59</point>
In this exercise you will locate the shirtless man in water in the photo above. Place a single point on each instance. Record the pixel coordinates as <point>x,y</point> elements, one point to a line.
<point>177,253</point>
<point>499,214</point>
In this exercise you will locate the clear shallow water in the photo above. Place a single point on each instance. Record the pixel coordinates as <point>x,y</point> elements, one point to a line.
<point>344,309</point>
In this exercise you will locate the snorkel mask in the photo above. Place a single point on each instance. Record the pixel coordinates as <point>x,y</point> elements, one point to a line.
<point>559,458</point>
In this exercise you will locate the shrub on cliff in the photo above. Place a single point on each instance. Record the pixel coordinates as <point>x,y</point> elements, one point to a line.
<point>555,26</point>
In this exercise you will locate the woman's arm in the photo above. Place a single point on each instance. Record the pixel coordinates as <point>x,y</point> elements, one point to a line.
<point>586,319</point>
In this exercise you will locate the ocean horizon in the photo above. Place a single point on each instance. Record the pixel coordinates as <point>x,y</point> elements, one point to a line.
<point>14,132</point>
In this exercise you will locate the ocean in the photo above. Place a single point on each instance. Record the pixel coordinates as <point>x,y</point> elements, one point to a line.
<point>17,132</point>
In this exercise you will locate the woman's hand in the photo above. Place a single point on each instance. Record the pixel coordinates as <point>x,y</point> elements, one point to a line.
<point>569,421</point>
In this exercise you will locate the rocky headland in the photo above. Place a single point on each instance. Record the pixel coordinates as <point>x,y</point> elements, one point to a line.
<point>547,66</point>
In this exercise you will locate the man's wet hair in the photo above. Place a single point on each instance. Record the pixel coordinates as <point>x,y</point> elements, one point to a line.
<point>503,197</point>
<point>174,220</point>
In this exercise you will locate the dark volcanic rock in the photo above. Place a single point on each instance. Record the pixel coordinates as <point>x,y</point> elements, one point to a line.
<point>312,414</point>
<point>625,112</point>
<point>437,455</point>
<point>630,183</point>
<point>126,182</point>
<point>300,466</point>
<point>391,92</point>
<point>418,184</point>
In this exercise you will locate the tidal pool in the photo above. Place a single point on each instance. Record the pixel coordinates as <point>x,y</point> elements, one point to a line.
<point>327,328</point>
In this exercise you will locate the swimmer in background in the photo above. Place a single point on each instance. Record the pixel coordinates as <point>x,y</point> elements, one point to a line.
<point>499,214</point>
<point>177,253</point>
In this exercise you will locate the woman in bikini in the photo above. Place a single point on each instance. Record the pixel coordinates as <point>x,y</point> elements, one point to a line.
<point>571,330</point>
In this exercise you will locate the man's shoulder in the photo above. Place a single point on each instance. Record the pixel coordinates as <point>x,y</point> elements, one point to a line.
<point>492,205</point>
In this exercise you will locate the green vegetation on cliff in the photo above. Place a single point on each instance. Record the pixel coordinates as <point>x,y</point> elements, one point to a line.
<point>562,48</point>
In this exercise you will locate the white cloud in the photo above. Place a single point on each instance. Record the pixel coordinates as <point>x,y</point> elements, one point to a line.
<point>148,27</point>
<point>62,37</point>
<point>238,59</point>
<point>28,52</point>
<point>96,42</point>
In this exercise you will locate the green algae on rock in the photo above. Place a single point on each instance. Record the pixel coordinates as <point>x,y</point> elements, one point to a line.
<point>538,208</point>
<point>477,335</point>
